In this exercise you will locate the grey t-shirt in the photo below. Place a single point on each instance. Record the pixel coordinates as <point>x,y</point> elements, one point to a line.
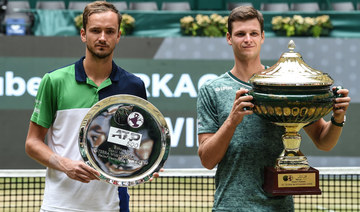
<point>255,144</point>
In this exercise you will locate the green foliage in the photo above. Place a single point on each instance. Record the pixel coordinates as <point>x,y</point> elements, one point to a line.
<point>203,25</point>
<point>127,24</point>
<point>299,26</point>
<point>78,21</point>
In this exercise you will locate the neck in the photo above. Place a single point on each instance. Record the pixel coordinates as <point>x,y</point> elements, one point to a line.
<point>98,70</point>
<point>244,70</point>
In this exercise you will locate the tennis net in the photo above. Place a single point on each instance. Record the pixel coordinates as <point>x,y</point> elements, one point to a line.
<point>185,190</point>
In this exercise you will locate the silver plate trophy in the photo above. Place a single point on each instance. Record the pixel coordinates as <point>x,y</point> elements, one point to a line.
<point>125,138</point>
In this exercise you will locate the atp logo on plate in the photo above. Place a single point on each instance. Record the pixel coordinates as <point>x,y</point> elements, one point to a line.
<point>124,137</point>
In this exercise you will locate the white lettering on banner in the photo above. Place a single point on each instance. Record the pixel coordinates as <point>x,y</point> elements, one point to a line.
<point>185,85</point>
<point>17,86</point>
<point>161,85</point>
<point>11,82</point>
<point>33,85</point>
<point>189,132</point>
<point>176,131</point>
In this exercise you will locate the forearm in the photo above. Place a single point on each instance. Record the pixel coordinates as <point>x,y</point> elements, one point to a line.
<point>329,137</point>
<point>327,134</point>
<point>40,152</point>
<point>213,147</point>
<point>36,148</point>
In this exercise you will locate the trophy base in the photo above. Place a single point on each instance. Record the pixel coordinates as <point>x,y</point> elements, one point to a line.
<point>292,163</point>
<point>291,182</point>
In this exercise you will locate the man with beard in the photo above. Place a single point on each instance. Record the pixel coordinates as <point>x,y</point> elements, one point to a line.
<point>64,97</point>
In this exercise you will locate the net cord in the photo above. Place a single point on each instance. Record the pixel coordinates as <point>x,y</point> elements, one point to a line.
<point>175,172</point>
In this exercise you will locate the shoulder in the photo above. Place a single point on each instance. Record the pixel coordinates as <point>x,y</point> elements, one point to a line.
<point>62,72</point>
<point>222,85</point>
<point>58,76</point>
<point>132,78</point>
<point>128,83</point>
<point>213,83</point>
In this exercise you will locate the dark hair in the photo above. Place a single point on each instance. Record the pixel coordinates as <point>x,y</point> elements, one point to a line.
<point>99,7</point>
<point>244,13</point>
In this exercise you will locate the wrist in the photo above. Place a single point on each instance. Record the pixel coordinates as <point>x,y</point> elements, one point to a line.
<point>337,122</point>
<point>57,162</point>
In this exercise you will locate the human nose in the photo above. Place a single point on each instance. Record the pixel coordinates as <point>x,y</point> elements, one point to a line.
<point>102,36</point>
<point>247,37</point>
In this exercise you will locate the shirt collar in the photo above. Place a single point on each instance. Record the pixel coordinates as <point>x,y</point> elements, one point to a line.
<point>80,74</point>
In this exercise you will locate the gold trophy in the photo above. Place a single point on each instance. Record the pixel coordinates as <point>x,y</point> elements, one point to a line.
<point>292,94</point>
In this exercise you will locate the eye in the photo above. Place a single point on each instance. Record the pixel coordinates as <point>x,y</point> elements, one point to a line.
<point>110,31</point>
<point>95,30</point>
<point>240,34</point>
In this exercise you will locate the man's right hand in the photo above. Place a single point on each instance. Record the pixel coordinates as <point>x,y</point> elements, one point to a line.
<point>76,170</point>
<point>239,109</point>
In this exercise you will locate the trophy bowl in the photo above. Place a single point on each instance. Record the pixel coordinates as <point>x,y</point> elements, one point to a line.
<point>125,138</point>
<point>292,94</point>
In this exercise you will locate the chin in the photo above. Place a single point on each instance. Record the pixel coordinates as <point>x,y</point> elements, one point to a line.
<point>102,55</point>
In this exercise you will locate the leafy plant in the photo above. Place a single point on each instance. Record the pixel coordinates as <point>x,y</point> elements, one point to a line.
<point>127,24</point>
<point>79,21</point>
<point>203,25</point>
<point>299,26</point>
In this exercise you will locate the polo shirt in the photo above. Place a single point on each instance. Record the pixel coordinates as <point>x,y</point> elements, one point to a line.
<point>64,97</point>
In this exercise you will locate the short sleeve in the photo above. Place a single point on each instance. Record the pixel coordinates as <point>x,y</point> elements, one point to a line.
<point>44,110</point>
<point>207,117</point>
